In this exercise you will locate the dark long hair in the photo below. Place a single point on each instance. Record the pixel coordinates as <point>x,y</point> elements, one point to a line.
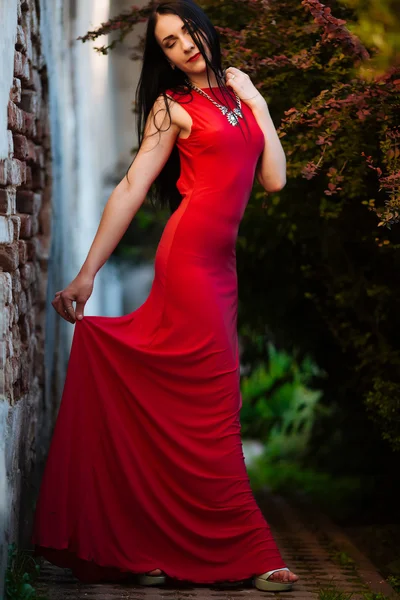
<point>157,76</point>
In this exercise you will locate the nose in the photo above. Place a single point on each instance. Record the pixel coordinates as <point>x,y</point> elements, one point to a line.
<point>187,44</point>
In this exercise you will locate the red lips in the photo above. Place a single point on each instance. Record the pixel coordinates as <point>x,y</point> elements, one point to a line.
<point>194,57</point>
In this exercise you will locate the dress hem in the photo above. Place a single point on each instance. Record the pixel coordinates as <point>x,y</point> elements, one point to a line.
<point>118,574</point>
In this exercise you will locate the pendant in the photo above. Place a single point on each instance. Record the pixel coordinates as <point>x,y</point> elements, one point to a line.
<point>231,115</point>
<point>232,118</point>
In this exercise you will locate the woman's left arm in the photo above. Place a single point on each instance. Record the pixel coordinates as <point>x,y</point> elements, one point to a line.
<point>271,167</point>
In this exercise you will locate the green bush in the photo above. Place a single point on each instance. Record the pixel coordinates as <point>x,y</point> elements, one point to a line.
<point>278,407</point>
<point>22,571</point>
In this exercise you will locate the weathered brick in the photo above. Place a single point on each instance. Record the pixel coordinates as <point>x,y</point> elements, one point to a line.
<point>28,274</point>
<point>28,202</point>
<point>16,281</point>
<point>22,303</point>
<point>23,252</point>
<point>26,25</point>
<point>24,329</point>
<point>40,62</point>
<point>8,374</point>
<point>32,345</point>
<point>7,201</point>
<point>40,131</point>
<point>12,172</point>
<point>31,317</point>
<point>10,144</point>
<point>36,82</point>
<point>32,248</point>
<point>29,55</point>
<point>16,368</point>
<point>16,313</point>
<point>16,339</point>
<point>29,295</point>
<point>34,22</point>
<point>38,178</point>
<point>26,226</point>
<point>21,65</point>
<point>21,148</point>
<point>9,257</point>
<point>6,317</point>
<point>15,92</point>
<point>30,101</point>
<point>8,345</point>
<point>17,226</point>
<point>15,118</point>
<point>6,286</point>
<point>38,270</point>
<point>32,154</point>
<point>35,224</point>
<point>39,156</point>
<point>34,290</point>
<point>28,178</point>
<point>13,394</point>
<point>20,43</point>
<point>3,172</point>
<point>29,124</point>
<point>6,230</point>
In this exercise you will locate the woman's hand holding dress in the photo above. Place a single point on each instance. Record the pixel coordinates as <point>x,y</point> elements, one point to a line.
<point>79,291</point>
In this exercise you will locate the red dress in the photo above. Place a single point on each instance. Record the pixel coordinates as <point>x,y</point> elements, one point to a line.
<point>146,468</point>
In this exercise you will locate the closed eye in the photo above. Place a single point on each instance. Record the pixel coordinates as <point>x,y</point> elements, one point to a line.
<point>183,29</point>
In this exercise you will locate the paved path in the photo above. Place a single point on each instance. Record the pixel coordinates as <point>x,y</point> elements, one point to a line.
<point>313,548</point>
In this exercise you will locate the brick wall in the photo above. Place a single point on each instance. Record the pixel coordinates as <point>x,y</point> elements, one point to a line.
<point>25,221</point>
<point>25,212</point>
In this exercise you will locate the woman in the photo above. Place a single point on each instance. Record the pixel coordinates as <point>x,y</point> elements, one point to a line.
<point>146,472</point>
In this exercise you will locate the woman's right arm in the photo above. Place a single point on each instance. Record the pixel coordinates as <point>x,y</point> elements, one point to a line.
<point>121,207</point>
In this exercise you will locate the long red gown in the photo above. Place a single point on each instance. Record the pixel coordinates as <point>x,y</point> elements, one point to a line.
<point>146,467</point>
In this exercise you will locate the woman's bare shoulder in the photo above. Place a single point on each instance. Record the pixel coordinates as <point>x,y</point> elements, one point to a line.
<point>179,116</point>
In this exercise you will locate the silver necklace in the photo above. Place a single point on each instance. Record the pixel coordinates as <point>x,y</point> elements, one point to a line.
<point>231,115</point>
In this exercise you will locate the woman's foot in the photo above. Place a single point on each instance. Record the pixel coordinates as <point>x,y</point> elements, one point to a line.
<point>154,577</point>
<point>155,572</point>
<point>283,576</point>
<point>276,580</point>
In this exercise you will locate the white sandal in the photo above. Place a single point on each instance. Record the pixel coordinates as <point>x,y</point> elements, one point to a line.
<point>147,579</point>
<point>261,582</point>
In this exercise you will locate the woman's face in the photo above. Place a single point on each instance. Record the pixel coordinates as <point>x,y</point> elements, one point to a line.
<point>178,45</point>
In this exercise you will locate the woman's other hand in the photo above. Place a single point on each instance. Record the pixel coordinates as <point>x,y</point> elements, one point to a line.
<point>79,291</point>
<point>241,83</point>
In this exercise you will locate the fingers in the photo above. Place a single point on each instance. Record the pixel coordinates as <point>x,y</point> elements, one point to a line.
<point>63,306</point>
<point>80,305</point>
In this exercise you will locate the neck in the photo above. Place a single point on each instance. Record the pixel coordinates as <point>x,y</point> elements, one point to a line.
<point>201,80</point>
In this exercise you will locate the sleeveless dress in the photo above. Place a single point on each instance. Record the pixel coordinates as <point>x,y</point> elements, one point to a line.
<point>146,468</point>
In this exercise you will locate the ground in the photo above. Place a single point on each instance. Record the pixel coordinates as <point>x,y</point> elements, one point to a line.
<point>319,552</point>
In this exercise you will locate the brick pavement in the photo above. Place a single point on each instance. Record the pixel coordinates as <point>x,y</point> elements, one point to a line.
<point>310,544</point>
